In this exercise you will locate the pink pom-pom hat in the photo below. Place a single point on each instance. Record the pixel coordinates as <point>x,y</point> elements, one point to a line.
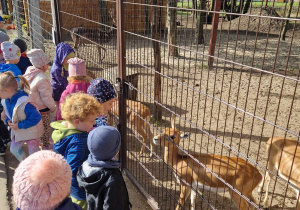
<point>42,181</point>
<point>77,67</point>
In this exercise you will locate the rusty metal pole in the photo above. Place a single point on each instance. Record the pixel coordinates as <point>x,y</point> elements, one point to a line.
<point>213,33</point>
<point>121,47</point>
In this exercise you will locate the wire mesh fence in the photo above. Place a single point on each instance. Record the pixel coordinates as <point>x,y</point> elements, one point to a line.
<point>227,70</point>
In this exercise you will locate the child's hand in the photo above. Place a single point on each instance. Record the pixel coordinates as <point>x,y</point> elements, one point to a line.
<point>13,126</point>
<point>52,110</point>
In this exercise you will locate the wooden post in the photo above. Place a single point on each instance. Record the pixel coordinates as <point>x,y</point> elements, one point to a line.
<point>17,18</point>
<point>25,6</point>
<point>213,33</point>
<point>4,7</point>
<point>10,7</point>
<point>121,47</point>
<point>286,22</point>
<point>55,21</point>
<point>156,23</point>
<point>36,37</point>
<point>199,38</point>
<point>172,28</point>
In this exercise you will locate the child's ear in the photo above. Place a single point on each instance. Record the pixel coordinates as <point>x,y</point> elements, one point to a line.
<point>76,122</point>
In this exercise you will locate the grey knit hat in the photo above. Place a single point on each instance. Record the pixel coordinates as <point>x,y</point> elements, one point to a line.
<point>3,37</point>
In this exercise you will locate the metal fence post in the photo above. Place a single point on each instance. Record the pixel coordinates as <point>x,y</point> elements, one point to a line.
<point>121,47</point>
<point>56,24</point>
<point>17,17</point>
<point>36,36</point>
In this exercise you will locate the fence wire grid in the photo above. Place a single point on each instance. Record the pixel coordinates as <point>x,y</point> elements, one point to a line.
<point>228,73</point>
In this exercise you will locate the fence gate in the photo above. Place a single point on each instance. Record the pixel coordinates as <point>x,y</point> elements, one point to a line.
<point>227,70</point>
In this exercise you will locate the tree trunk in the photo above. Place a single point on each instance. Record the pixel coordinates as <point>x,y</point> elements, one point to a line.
<point>156,24</point>
<point>286,22</point>
<point>199,39</point>
<point>104,14</point>
<point>172,28</point>
<point>147,21</point>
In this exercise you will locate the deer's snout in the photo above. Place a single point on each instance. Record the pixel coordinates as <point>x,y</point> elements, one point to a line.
<point>156,140</point>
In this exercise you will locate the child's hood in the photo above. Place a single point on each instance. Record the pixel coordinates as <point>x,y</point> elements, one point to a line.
<point>4,68</point>
<point>91,178</point>
<point>61,52</point>
<point>61,131</point>
<point>31,72</point>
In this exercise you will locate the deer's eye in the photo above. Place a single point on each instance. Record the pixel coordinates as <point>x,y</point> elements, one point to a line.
<point>172,137</point>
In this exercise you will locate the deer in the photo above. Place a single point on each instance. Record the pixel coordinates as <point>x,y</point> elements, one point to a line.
<point>81,35</point>
<point>241,175</point>
<point>136,113</point>
<point>281,152</point>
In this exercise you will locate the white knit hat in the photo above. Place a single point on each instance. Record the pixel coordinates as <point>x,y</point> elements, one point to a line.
<point>10,51</point>
<point>38,58</point>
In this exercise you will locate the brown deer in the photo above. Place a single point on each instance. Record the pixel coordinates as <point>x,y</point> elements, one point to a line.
<point>281,154</point>
<point>237,172</point>
<point>136,114</point>
<point>81,35</point>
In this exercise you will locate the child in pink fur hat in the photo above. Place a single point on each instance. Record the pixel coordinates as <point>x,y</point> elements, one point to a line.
<point>40,88</point>
<point>42,182</point>
<point>78,81</point>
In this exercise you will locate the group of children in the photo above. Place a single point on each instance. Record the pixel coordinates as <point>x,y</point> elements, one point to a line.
<point>81,172</point>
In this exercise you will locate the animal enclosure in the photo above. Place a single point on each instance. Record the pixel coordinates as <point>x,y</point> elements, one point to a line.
<point>230,83</point>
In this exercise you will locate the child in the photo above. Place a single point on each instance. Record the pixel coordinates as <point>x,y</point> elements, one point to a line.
<point>104,92</point>
<point>59,70</point>
<point>79,110</point>
<point>24,62</point>
<point>41,89</point>
<point>100,175</point>
<point>21,116</point>
<point>43,181</point>
<point>11,53</point>
<point>2,25</point>
<point>78,81</point>
<point>3,38</point>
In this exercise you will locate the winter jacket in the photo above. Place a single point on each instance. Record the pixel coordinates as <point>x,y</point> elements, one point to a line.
<point>72,145</point>
<point>105,188</point>
<point>59,82</point>
<point>19,110</point>
<point>40,88</point>
<point>71,88</point>
<point>10,67</point>
<point>24,63</point>
<point>66,205</point>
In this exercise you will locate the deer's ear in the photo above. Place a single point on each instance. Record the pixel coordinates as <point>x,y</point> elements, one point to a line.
<point>184,135</point>
<point>173,121</point>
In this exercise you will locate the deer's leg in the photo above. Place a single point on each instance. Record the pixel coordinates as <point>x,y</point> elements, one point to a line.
<point>260,186</point>
<point>240,202</point>
<point>184,193</point>
<point>149,134</point>
<point>101,57</point>
<point>193,200</point>
<point>138,125</point>
<point>267,177</point>
<point>298,201</point>
<point>76,42</point>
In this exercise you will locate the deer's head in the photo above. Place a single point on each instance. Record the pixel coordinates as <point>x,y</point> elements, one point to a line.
<point>171,136</point>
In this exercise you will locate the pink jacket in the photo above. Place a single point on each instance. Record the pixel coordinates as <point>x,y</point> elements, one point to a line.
<point>40,88</point>
<point>71,88</point>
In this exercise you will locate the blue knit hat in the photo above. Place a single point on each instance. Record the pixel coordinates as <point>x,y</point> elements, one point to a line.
<point>102,90</point>
<point>103,143</point>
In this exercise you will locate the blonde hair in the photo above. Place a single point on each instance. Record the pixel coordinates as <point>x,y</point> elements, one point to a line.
<point>8,80</point>
<point>78,106</point>
<point>86,79</point>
